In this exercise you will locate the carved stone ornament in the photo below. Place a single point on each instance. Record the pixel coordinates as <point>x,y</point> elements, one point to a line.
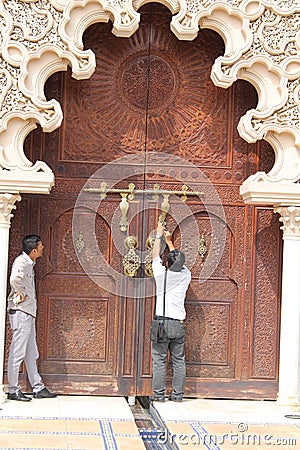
<point>290,217</point>
<point>7,204</point>
<point>262,46</point>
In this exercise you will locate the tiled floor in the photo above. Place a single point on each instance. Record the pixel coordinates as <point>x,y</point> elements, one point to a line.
<point>69,423</point>
<point>229,424</point>
<point>75,422</point>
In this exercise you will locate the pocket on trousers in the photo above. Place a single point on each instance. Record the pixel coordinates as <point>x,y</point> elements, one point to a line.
<point>14,321</point>
<point>158,332</point>
<point>176,330</point>
<point>20,321</point>
<point>154,330</point>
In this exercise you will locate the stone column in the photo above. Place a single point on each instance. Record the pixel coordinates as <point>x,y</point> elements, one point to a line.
<point>6,206</point>
<point>289,360</point>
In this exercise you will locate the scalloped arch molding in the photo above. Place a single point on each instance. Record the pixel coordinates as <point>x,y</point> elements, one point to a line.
<point>262,46</point>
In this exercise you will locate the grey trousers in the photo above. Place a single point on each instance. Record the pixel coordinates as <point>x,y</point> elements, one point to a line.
<point>23,348</point>
<point>175,344</point>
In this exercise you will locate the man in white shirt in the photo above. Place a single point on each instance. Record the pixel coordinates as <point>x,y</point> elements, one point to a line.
<point>172,315</point>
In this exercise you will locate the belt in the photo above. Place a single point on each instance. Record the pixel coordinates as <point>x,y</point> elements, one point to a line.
<point>168,318</point>
<point>13,311</point>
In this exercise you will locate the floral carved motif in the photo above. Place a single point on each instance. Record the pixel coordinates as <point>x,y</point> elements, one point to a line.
<point>290,218</point>
<point>7,204</point>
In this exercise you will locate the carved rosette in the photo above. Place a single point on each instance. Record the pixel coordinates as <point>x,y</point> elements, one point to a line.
<point>7,204</point>
<point>290,217</point>
<point>41,37</point>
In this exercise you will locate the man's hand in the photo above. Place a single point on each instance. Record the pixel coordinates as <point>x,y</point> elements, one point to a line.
<point>160,229</point>
<point>168,238</point>
<point>18,298</point>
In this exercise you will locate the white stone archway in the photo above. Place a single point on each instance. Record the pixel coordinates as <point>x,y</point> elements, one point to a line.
<point>262,46</point>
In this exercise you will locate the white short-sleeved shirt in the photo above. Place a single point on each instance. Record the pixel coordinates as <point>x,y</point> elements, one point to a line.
<point>177,285</point>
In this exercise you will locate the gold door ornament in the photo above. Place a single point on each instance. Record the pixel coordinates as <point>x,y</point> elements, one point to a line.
<point>131,261</point>
<point>202,246</point>
<point>131,192</point>
<point>79,243</point>
<point>124,209</point>
<point>165,206</point>
<point>148,259</point>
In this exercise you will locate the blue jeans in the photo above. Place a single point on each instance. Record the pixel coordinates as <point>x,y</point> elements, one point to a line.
<point>175,344</point>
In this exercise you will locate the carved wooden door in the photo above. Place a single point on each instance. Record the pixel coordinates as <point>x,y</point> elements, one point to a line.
<point>151,103</point>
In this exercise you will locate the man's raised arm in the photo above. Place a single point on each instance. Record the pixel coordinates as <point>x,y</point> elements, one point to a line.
<point>157,241</point>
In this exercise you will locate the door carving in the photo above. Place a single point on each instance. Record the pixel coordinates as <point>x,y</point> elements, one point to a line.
<point>151,94</point>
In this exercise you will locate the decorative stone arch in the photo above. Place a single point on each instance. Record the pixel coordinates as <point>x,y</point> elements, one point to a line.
<point>262,46</point>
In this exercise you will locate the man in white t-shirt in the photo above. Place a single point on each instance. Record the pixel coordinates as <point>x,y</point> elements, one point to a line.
<point>177,280</point>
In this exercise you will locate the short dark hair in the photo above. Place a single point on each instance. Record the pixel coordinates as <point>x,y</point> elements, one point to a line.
<point>176,260</point>
<point>30,242</point>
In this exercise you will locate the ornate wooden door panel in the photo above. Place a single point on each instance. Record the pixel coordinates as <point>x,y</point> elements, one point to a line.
<point>152,93</point>
<point>79,325</point>
<point>233,317</point>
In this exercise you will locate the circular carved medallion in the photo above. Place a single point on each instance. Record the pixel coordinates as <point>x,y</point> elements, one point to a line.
<point>152,78</point>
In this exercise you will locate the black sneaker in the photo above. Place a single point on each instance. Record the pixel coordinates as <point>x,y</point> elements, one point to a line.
<point>157,398</point>
<point>44,393</point>
<point>175,398</point>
